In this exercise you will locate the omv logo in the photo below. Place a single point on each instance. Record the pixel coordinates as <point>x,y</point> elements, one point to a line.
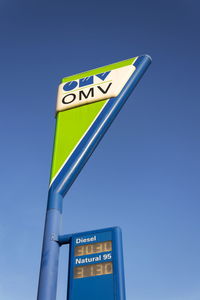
<point>97,86</point>
<point>83,82</point>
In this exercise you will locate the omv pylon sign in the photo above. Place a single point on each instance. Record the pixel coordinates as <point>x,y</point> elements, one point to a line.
<point>87,105</point>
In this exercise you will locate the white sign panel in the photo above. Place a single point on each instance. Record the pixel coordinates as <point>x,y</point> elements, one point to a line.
<point>93,88</point>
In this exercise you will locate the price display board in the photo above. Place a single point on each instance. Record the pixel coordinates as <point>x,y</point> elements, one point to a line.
<point>96,269</point>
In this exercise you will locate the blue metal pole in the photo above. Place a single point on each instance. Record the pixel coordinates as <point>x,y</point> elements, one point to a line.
<point>50,252</point>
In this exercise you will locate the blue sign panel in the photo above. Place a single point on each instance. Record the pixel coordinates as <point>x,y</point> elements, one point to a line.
<point>96,269</point>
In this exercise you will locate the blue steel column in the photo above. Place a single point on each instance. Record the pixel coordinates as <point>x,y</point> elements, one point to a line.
<point>50,252</point>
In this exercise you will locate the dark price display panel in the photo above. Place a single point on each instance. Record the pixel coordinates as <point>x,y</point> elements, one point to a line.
<point>96,265</point>
<point>93,270</point>
<point>93,248</point>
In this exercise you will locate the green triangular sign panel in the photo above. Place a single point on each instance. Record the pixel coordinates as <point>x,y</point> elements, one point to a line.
<point>71,126</point>
<point>72,123</point>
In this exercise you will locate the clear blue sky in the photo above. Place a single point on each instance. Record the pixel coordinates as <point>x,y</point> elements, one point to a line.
<point>144,175</point>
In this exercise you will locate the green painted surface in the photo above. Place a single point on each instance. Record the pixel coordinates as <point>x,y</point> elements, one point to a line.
<point>100,70</point>
<point>71,125</point>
